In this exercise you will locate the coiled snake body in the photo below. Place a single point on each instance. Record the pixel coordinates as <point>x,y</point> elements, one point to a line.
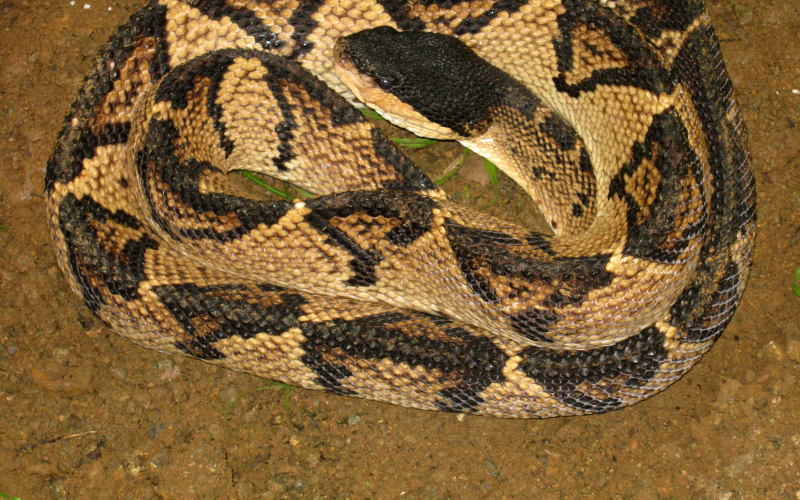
<point>381,287</point>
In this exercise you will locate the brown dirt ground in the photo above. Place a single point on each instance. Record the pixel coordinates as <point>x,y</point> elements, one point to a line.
<point>84,414</point>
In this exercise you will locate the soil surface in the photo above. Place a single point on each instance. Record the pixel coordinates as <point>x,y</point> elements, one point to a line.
<point>85,414</point>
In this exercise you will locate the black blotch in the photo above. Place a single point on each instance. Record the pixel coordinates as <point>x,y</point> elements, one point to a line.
<point>541,243</point>
<point>176,87</point>
<point>243,317</point>
<point>535,324</point>
<point>644,78</point>
<point>703,316</point>
<point>585,161</point>
<point>329,375</point>
<point>157,159</point>
<point>411,177</point>
<point>85,146</point>
<point>399,11</point>
<point>643,68</point>
<point>472,25</point>
<point>91,264</point>
<point>246,317</point>
<point>413,210</point>
<point>285,130</point>
<point>707,305</point>
<point>363,262</point>
<point>76,143</point>
<point>700,67</point>
<point>245,18</point>
<point>667,15</point>
<point>480,252</point>
<point>560,131</point>
<point>266,287</point>
<point>303,25</point>
<point>475,249</point>
<point>279,71</point>
<point>470,363</point>
<point>675,160</point>
<point>627,364</point>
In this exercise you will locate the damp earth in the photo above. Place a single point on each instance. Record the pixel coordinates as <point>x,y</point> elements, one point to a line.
<point>87,415</point>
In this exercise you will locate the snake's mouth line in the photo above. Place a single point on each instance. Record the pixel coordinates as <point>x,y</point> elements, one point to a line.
<point>346,70</point>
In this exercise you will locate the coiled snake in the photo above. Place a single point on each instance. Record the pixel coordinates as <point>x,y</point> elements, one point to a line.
<point>616,116</point>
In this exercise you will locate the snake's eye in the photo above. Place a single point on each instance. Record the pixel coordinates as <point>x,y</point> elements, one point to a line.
<point>384,83</point>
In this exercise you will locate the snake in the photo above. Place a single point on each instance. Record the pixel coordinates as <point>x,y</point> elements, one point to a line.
<point>617,117</point>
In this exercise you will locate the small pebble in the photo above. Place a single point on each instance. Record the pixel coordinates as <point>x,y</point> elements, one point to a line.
<point>793,350</point>
<point>772,350</point>
<point>120,373</point>
<point>161,459</point>
<point>491,467</point>
<point>739,464</point>
<point>245,489</point>
<point>154,430</point>
<point>792,335</point>
<point>743,15</point>
<point>728,391</point>
<point>353,419</point>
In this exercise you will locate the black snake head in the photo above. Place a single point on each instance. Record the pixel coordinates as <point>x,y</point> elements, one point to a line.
<point>434,75</point>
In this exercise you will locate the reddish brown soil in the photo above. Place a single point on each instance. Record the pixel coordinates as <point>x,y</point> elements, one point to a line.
<point>85,415</point>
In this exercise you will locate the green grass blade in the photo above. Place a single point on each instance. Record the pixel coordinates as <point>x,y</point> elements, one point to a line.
<point>272,385</point>
<point>441,180</point>
<point>283,194</point>
<point>796,285</point>
<point>491,169</point>
<point>414,143</point>
<point>369,113</point>
<point>264,185</point>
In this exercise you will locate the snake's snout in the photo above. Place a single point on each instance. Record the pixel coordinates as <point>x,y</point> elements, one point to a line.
<point>347,71</point>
